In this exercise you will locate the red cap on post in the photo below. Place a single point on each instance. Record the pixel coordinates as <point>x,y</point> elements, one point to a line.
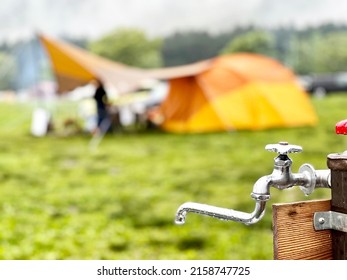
<point>341,127</point>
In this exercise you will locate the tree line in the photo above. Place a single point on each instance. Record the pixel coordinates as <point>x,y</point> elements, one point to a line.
<point>309,50</point>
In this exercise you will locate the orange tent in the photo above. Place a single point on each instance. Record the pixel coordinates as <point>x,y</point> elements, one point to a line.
<point>240,91</point>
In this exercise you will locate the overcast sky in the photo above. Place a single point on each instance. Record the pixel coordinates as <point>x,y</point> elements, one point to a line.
<point>93,18</point>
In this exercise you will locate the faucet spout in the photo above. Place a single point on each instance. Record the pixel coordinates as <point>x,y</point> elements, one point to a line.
<point>281,178</point>
<point>221,213</point>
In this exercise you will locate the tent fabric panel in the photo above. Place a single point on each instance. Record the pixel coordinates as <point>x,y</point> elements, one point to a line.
<point>185,97</point>
<point>262,113</point>
<point>76,62</point>
<point>231,71</point>
<point>291,103</point>
<point>208,123</point>
<point>69,73</point>
<point>175,72</point>
<point>84,57</point>
<point>68,67</point>
<point>237,110</point>
<point>205,120</point>
<point>69,82</point>
<point>250,110</point>
<point>218,81</point>
<point>254,106</point>
<point>255,67</point>
<point>262,106</point>
<point>184,100</point>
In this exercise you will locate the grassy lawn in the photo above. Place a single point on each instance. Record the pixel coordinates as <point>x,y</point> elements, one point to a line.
<point>61,200</point>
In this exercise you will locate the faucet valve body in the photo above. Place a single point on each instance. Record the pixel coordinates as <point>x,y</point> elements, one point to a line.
<point>281,178</point>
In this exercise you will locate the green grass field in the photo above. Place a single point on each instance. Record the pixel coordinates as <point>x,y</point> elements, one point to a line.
<point>61,200</point>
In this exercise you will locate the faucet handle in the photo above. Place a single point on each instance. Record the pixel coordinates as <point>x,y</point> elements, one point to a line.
<point>341,127</point>
<point>283,148</point>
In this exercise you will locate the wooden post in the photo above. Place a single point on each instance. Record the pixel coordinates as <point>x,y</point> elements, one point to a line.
<point>338,166</point>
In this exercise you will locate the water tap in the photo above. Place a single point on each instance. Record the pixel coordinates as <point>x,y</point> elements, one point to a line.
<point>281,178</point>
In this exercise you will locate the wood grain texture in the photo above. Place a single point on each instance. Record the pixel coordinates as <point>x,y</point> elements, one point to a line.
<point>294,235</point>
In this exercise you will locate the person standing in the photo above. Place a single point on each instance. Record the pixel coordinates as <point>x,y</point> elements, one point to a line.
<point>101,99</point>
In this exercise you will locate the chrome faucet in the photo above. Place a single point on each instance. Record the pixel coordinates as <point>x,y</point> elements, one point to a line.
<point>281,178</point>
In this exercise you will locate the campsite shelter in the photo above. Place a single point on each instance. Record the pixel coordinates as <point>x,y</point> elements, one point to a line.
<point>236,92</point>
<point>231,92</point>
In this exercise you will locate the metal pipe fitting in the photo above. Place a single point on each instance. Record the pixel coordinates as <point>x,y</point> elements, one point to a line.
<point>281,178</point>
<point>221,213</point>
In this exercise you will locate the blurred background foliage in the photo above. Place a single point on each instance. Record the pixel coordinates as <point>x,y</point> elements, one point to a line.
<point>8,71</point>
<point>307,50</point>
<point>253,42</point>
<point>59,199</point>
<point>129,46</point>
